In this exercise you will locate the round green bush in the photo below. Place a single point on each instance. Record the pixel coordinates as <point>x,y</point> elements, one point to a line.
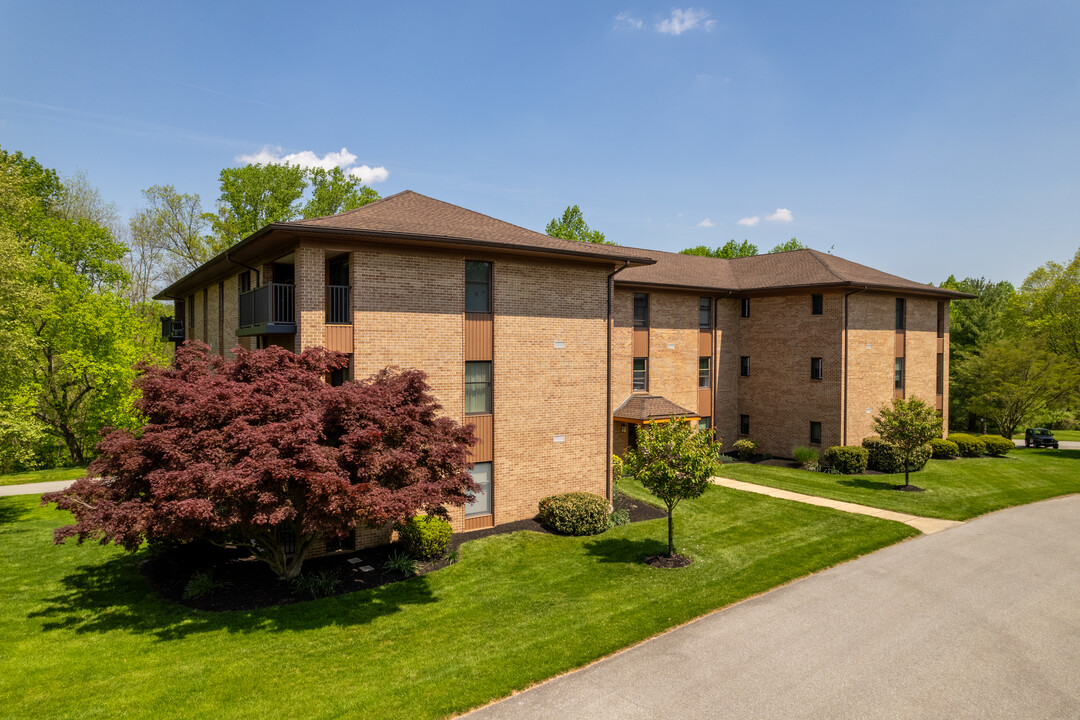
<point>847,459</point>
<point>744,449</point>
<point>996,445</point>
<point>425,536</point>
<point>575,513</point>
<point>943,449</point>
<point>968,445</point>
<point>885,457</point>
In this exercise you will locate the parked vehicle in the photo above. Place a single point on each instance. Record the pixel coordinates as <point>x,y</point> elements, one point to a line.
<point>1039,437</point>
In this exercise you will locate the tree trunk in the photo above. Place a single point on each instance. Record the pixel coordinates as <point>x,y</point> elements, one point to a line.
<point>671,533</point>
<point>73,445</point>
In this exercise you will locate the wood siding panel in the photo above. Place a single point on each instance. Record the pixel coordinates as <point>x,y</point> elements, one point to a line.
<point>479,522</point>
<point>899,343</point>
<point>339,338</point>
<point>704,402</point>
<point>704,343</point>
<point>478,336</point>
<point>484,431</point>
<point>941,345</point>
<point>641,342</point>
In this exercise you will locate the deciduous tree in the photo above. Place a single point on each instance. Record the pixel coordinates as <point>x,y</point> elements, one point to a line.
<point>572,226</point>
<point>674,461</point>
<point>730,249</point>
<point>262,453</point>
<point>907,424</point>
<point>788,246</point>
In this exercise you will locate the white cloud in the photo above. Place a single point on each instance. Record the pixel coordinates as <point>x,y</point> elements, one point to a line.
<point>626,21</point>
<point>308,160</point>
<point>781,215</point>
<point>369,175</point>
<point>683,20</point>
<point>706,223</point>
<point>750,221</point>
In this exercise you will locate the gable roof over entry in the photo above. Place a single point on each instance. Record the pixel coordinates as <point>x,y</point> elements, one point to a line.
<point>642,408</point>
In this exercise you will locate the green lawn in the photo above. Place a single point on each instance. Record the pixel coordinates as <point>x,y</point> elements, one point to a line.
<point>34,476</point>
<point>81,635</point>
<point>955,489</point>
<point>1072,435</point>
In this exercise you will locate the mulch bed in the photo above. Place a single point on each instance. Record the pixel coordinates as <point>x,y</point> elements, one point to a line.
<point>786,463</point>
<point>668,561</point>
<point>247,584</point>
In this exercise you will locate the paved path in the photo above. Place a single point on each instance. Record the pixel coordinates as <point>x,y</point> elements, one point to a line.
<point>1062,444</point>
<point>34,488</point>
<point>978,622</point>
<point>922,524</point>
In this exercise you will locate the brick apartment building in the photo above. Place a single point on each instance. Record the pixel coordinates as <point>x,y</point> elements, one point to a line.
<point>558,350</point>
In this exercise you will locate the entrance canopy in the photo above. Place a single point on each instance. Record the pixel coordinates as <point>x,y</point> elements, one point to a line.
<point>639,409</point>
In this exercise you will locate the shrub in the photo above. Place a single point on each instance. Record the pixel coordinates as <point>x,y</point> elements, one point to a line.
<point>575,513</point>
<point>201,584</point>
<point>620,517</point>
<point>886,457</point>
<point>807,457</point>
<point>943,449</point>
<point>725,459</point>
<point>847,459</point>
<point>401,562</point>
<point>425,536</point>
<point>744,449</point>
<point>317,585</point>
<point>996,445</point>
<point>968,445</point>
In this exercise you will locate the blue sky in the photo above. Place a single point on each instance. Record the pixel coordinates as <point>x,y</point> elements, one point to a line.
<point>922,138</point>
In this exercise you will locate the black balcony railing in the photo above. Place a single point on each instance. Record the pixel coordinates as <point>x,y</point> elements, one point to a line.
<point>172,330</point>
<point>268,309</point>
<point>337,304</point>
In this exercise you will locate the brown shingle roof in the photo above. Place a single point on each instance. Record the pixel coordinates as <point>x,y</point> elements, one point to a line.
<point>411,214</point>
<point>773,271</point>
<point>650,407</point>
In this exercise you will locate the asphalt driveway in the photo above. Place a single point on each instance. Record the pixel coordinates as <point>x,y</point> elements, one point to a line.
<point>1062,444</point>
<point>979,621</point>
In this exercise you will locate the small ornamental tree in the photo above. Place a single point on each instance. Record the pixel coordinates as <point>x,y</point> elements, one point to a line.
<point>674,462</point>
<point>261,453</point>
<point>907,424</point>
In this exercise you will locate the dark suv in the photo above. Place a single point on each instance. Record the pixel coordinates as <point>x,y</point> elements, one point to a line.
<point>1039,437</point>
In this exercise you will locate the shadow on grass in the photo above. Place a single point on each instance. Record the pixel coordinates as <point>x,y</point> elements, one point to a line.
<point>11,511</point>
<point>619,550</point>
<point>867,484</point>
<point>113,596</point>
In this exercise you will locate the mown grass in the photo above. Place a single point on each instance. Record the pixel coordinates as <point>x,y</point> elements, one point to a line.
<point>82,635</point>
<point>954,489</point>
<point>36,476</point>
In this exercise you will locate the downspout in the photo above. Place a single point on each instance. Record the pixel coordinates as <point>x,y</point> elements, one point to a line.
<point>245,265</point>
<point>609,426</point>
<point>846,408</point>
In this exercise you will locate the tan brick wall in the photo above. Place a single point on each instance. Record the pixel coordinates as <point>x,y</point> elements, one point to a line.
<point>673,347</point>
<point>780,337</point>
<point>726,375</point>
<point>310,269</point>
<point>232,314</point>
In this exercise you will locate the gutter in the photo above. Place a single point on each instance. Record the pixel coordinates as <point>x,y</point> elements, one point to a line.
<point>258,282</point>
<point>609,426</point>
<point>846,359</point>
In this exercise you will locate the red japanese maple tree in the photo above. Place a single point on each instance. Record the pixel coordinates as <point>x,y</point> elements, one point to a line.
<point>259,449</point>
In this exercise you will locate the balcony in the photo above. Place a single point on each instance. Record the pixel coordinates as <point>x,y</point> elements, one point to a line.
<point>268,310</point>
<point>337,305</point>
<point>172,330</point>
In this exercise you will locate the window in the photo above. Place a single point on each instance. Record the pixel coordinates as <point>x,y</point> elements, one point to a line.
<point>477,286</point>
<point>704,423</point>
<point>477,388</point>
<point>817,304</point>
<point>815,433</point>
<point>340,375</point>
<point>744,424</point>
<point>899,374</point>
<point>940,373</point>
<point>336,543</point>
<point>245,281</point>
<point>815,368</point>
<point>941,319</point>
<point>900,313</point>
<point>744,366</point>
<point>705,313</point>
<point>641,373</point>
<point>703,372</point>
<point>641,310</point>
<point>746,307</point>
<point>481,475</point>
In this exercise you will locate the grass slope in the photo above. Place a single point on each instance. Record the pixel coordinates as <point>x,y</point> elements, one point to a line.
<point>955,489</point>
<point>82,636</point>
<point>36,476</point>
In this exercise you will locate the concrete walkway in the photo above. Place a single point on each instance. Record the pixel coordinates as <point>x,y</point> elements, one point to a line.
<point>922,524</point>
<point>34,488</point>
<point>978,622</point>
